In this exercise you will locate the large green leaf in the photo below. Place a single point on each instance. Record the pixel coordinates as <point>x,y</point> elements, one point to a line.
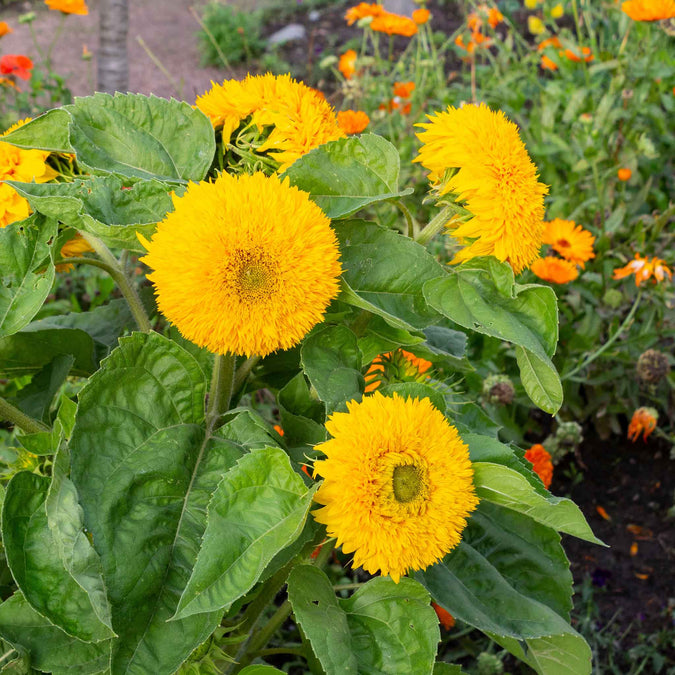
<point>385,273</point>
<point>61,585</point>
<point>331,360</point>
<point>302,416</point>
<point>27,270</point>
<point>393,627</point>
<point>46,132</point>
<point>145,471</point>
<point>323,621</point>
<point>259,508</point>
<point>540,379</point>
<point>345,175</point>
<point>108,207</point>
<point>142,136</point>
<point>50,649</point>
<point>380,338</point>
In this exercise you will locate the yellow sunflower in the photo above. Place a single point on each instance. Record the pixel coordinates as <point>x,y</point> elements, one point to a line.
<point>398,484</point>
<point>570,240</point>
<point>245,264</point>
<point>495,179</point>
<point>300,117</point>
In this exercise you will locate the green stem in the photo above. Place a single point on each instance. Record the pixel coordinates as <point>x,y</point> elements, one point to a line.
<point>408,217</point>
<point>609,342</point>
<point>295,651</point>
<point>126,287</point>
<point>86,261</point>
<point>244,371</point>
<point>438,222</point>
<point>12,414</point>
<point>222,385</point>
<point>57,35</point>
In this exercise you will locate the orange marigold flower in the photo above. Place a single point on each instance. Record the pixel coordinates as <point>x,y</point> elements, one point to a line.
<point>421,16</point>
<point>495,17</point>
<point>649,10</point>
<point>576,57</point>
<point>404,89</point>
<point>644,269</point>
<point>352,121</point>
<point>570,240</point>
<point>643,420</point>
<point>4,28</point>
<point>555,270</point>
<point>624,174</point>
<point>16,64</point>
<point>541,463</point>
<point>549,42</point>
<point>394,24</point>
<point>474,22</point>
<point>362,10</point>
<point>68,6</point>
<point>548,64</point>
<point>347,63</point>
<point>444,617</point>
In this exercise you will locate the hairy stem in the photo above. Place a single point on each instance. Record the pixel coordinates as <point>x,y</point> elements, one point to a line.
<point>19,419</point>
<point>220,393</point>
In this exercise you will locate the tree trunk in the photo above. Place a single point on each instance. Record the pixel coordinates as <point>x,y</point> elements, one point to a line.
<point>113,58</point>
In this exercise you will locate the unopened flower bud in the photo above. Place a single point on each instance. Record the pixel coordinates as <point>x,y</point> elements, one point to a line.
<point>498,390</point>
<point>569,434</point>
<point>612,298</point>
<point>28,17</point>
<point>652,366</point>
<point>489,664</point>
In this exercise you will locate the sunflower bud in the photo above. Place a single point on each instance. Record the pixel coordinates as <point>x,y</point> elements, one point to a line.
<point>489,664</point>
<point>652,366</point>
<point>498,390</point>
<point>612,298</point>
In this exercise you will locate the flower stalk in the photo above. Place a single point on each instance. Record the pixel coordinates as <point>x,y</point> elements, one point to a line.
<point>19,419</point>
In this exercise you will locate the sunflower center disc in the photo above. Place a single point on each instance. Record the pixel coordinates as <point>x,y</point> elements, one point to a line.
<point>407,483</point>
<point>254,278</point>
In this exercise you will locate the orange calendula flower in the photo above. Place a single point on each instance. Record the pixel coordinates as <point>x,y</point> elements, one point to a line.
<point>624,174</point>
<point>649,10</point>
<point>16,64</point>
<point>421,16</point>
<point>474,22</point>
<point>347,64</point>
<point>575,56</point>
<point>4,28</point>
<point>280,431</point>
<point>541,463</point>
<point>394,24</point>
<point>570,240</point>
<point>555,270</point>
<point>404,89</point>
<point>352,121</point>
<point>363,10</point>
<point>643,421</point>
<point>549,42</point>
<point>398,366</point>
<point>444,617</point>
<point>68,6</point>
<point>7,82</point>
<point>644,269</point>
<point>547,63</point>
<point>495,17</point>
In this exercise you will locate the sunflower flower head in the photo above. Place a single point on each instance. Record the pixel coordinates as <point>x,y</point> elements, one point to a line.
<point>398,366</point>
<point>649,10</point>
<point>246,264</point>
<point>541,463</point>
<point>644,421</point>
<point>398,484</point>
<point>285,118</point>
<point>555,270</point>
<point>493,177</point>
<point>644,269</point>
<point>570,240</point>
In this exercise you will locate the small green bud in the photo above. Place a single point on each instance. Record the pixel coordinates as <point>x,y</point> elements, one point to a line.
<point>28,17</point>
<point>612,298</point>
<point>489,664</point>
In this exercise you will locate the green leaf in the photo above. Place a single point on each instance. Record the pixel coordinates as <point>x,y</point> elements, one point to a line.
<point>259,508</point>
<point>51,650</point>
<point>414,390</point>
<point>142,136</point>
<point>108,207</point>
<point>385,273</point>
<point>27,271</point>
<point>331,360</point>
<point>323,621</point>
<point>259,670</point>
<point>46,132</point>
<point>48,442</point>
<point>540,379</point>
<point>302,416</point>
<point>380,338</point>
<point>145,471</point>
<point>442,668</point>
<point>345,175</point>
<point>394,629</point>
<point>501,485</point>
<point>35,559</point>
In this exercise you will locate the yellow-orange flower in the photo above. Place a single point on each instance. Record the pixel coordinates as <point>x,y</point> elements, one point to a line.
<point>549,42</point>
<point>398,366</point>
<point>347,63</point>
<point>576,57</point>
<point>497,182</point>
<point>394,24</point>
<point>363,10</point>
<point>643,420</point>
<point>495,17</point>
<point>73,248</point>
<point>547,63</point>
<point>541,463</point>
<point>352,121</point>
<point>398,484</point>
<point>421,16</point>
<point>4,28</point>
<point>474,22</point>
<point>624,174</point>
<point>555,270</point>
<point>300,117</point>
<point>246,264</point>
<point>68,6</point>
<point>649,10</point>
<point>404,89</point>
<point>644,269</point>
<point>570,240</point>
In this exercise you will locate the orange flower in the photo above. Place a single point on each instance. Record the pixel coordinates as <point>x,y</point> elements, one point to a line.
<point>421,16</point>
<point>643,420</point>
<point>280,431</point>
<point>4,28</point>
<point>403,89</point>
<point>400,365</point>
<point>444,617</point>
<point>394,24</point>
<point>624,174</point>
<point>585,55</point>
<point>555,270</point>
<point>347,63</point>
<point>68,6</point>
<point>362,10</point>
<point>495,17</point>
<point>16,64</point>
<point>541,463</point>
<point>570,240</point>
<point>6,82</point>
<point>474,22</point>
<point>649,10</point>
<point>644,269</point>
<point>549,42</point>
<point>352,121</point>
<point>548,64</point>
